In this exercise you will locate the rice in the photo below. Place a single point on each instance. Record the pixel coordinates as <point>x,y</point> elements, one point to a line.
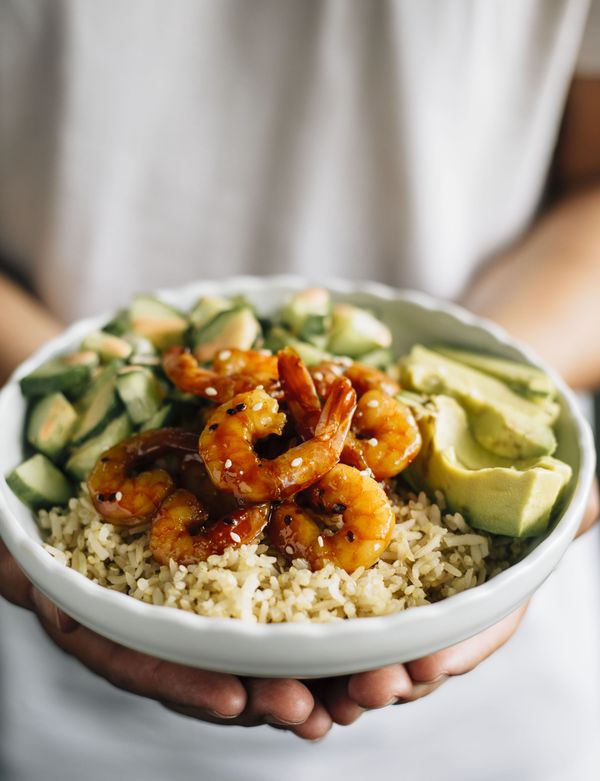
<point>432,555</point>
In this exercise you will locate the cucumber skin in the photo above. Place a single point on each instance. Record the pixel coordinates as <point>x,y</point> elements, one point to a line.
<point>83,459</point>
<point>29,494</point>
<point>163,417</point>
<point>55,376</point>
<point>141,394</point>
<point>105,383</point>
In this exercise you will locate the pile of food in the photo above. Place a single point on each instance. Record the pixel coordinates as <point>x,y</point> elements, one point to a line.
<point>287,469</point>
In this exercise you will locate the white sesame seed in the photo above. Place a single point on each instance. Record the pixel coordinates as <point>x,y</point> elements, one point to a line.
<point>320,541</point>
<point>258,406</point>
<point>373,442</point>
<point>265,352</point>
<point>345,360</point>
<point>245,488</point>
<point>372,403</point>
<point>228,464</point>
<point>119,496</point>
<point>225,354</point>
<point>337,370</point>
<point>235,537</point>
<point>241,472</point>
<point>297,462</point>
<point>318,376</point>
<point>260,387</point>
<point>210,391</point>
<point>289,550</point>
<point>366,472</point>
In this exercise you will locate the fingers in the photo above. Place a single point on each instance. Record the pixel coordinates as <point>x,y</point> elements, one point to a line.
<point>16,588</point>
<point>285,702</point>
<point>221,695</point>
<point>465,656</point>
<point>592,510</point>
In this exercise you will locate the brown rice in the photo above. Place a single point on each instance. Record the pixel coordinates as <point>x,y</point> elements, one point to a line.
<point>433,554</point>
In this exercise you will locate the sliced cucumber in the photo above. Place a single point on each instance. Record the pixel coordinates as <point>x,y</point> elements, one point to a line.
<point>51,424</point>
<point>356,331</point>
<point>378,359</point>
<point>235,328</point>
<point>83,358</point>
<point>107,346</point>
<point>278,338</point>
<point>140,392</point>
<point>38,483</point>
<point>119,325</point>
<point>160,323</point>
<point>308,315</point>
<point>160,419</point>
<point>97,406</point>
<point>83,459</point>
<point>206,309</point>
<point>56,375</point>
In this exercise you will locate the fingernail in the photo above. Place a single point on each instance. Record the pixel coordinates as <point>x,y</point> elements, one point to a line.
<point>225,716</point>
<point>275,721</point>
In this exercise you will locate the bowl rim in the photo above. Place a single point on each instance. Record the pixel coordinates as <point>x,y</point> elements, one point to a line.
<point>26,549</point>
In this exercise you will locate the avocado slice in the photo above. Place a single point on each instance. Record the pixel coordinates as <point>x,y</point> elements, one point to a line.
<point>499,495</point>
<point>501,421</point>
<point>527,380</point>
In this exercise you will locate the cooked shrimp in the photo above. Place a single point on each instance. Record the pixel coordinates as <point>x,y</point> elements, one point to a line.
<point>366,514</point>
<point>387,433</point>
<point>261,366</point>
<point>124,498</point>
<point>305,406</point>
<point>366,378</point>
<point>226,445</point>
<point>182,368</point>
<point>182,529</point>
<point>363,378</point>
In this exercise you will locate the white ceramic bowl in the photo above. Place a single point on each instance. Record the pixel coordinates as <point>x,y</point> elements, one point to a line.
<point>301,650</point>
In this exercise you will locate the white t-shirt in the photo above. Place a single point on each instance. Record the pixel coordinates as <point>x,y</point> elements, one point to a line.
<point>146,144</point>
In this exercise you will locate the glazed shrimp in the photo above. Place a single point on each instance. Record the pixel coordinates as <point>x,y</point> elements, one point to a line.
<point>182,529</point>
<point>363,378</point>
<point>124,498</point>
<point>305,406</point>
<point>386,432</point>
<point>186,374</point>
<point>226,445</point>
<point>261,366</point>
<point>366,514</point>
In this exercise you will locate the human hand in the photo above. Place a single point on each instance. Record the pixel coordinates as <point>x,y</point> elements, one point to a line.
<point>213,697</point>
<point>348,698</point>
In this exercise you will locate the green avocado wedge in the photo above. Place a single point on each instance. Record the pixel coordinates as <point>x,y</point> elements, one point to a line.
<point>502,421</point>
<point>499,495</point>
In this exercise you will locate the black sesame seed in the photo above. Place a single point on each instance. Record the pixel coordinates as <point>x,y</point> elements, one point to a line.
<point>338,508</point>
<point>228,521</point>
<point>104,460</point>
<point>350,536</point>
<point>240,407</point>
<point>287,520</point>
<point>100,497</point>
<point>231,411</point>
<point>213,427</point>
